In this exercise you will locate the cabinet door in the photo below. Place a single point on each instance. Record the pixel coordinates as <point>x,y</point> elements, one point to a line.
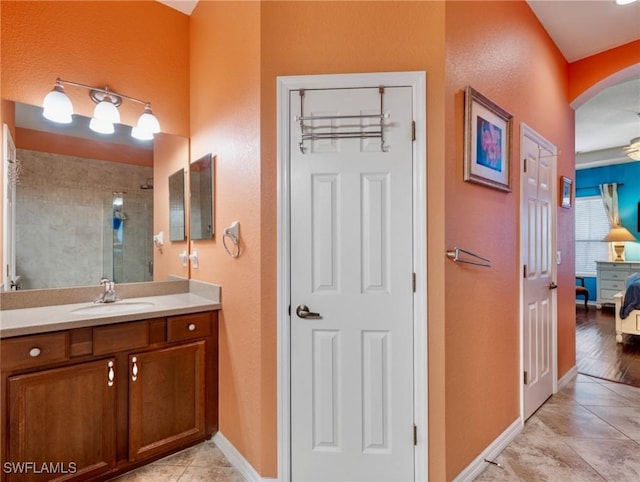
<point>62,423</point>
<point>166,399</point>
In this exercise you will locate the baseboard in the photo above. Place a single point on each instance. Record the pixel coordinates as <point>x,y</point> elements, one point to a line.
<point>567,377</point>
<point>236,459</point>
<point>491,452</point>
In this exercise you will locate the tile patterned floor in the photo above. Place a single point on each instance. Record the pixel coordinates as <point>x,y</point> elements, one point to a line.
<point>201,463</point>
<point>589,431</point>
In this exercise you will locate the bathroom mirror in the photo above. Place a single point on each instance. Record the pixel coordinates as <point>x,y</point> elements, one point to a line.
<point>79,218</point>
<point>176,206</point>
<point>201,200</point>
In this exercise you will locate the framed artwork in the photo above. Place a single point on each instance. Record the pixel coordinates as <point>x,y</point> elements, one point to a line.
<point>566,192</point>
<point>487,142</point>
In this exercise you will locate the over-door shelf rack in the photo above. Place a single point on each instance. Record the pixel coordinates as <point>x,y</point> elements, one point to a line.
<point>307,134</point>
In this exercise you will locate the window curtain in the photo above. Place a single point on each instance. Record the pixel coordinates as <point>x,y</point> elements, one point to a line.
<point>609,195</point>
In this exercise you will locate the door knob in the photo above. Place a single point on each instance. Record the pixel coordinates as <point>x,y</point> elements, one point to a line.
<point>303,312</point>
<point>552,286</point>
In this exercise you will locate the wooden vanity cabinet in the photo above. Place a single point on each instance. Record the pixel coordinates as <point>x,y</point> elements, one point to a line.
<point>65,417</point>
<point>166,399</point>
<point>106,399</point>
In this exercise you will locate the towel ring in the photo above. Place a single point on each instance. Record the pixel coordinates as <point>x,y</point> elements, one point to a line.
<point>235,242</point>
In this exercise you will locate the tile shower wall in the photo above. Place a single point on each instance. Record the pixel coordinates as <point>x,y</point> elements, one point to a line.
<point>65,221</point>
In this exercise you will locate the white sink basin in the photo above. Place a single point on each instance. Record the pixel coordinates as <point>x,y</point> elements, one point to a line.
<point>113,308</point>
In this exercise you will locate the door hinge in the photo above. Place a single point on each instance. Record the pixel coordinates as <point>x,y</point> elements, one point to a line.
<point>413,281</point>
<point>413,130</point>
<point>524,268</point>
<point>415,435</point>
<point>525,378</point>
<point>289,310</point>
<point>525,164</point>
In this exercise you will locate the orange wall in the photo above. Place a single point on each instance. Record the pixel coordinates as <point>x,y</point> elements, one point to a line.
<point>509,58</point>
<point>84,148</point>
<point>586,73</point>
<point>225,109</point>
<point>237,50</point>
<point>170,153</point>
<point>138,48</point>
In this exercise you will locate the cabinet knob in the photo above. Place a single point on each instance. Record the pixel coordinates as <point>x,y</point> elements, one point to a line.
<point>191,327</point>
<point>35,352</point>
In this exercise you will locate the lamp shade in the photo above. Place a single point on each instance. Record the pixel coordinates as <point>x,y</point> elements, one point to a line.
<point>141,135</point>
<point>107,111</point>
<point>101,126</point>
<point>147,122</point>
<point>57,106</point>
<point>619,234</point>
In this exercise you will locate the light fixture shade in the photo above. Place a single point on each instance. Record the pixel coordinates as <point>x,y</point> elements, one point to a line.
<point>624,2</point>
<point>141,135</point>
<point>101,126</point>
<point>148,122</point>
<point>633,151</point>
<point>107,111</point>
<point>57,106</point>
<point>619,234</point>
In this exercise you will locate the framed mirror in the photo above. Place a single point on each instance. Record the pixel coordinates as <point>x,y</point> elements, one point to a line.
<point>177,231</point>
<point>201,198</point>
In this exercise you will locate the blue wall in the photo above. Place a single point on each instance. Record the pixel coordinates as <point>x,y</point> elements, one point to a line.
<point>628,198</point>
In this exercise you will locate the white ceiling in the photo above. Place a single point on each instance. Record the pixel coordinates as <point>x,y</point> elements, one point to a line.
<point>184,6</point>
<point>581,28</point>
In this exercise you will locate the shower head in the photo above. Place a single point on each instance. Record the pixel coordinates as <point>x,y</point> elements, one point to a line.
<point>148,184</point>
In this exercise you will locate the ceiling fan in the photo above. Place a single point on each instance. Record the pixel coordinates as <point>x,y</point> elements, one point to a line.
<point>633,149</point>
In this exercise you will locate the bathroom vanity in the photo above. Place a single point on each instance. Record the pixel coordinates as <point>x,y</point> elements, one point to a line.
<point>90,396</point>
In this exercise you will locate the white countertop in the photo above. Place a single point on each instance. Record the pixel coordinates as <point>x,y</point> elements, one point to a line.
<point>29,321</point>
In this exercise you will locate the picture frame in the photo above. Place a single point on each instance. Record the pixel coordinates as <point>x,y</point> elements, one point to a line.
<point>487,142</point>
<point>566,192</point>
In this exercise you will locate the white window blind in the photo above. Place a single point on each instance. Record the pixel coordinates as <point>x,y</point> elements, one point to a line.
<point>592,225</point>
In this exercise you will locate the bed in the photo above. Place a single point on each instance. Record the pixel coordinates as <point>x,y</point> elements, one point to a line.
<point>628,308</point>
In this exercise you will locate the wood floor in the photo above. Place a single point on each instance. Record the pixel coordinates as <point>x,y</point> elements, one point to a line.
<point>598,354</point>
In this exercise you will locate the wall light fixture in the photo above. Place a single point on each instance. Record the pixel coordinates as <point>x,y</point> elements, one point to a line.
<point>58,108</point>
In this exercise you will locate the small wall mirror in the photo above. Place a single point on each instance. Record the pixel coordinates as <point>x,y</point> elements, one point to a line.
<point>201,187</point>
<point>177,231</point>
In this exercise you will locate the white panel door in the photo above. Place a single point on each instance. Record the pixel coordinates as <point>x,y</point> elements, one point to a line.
<point>351,263</point>
<point>539,305</point>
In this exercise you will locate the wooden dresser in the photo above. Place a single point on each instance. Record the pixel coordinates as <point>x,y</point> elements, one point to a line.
<point>611,279</point>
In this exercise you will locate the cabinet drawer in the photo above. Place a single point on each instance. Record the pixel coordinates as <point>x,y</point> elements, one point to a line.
<point>614,266</point>
<point>120,337</point>
<point>36,350</point>
<point>606,296</point>
<point>607,284</point>
<point>188,326</point>
<point>613,275</point>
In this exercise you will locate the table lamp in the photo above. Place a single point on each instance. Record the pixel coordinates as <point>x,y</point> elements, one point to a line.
<point>618,235</point>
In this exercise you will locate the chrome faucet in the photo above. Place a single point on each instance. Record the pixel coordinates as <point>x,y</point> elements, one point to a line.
<point>109,295</point>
